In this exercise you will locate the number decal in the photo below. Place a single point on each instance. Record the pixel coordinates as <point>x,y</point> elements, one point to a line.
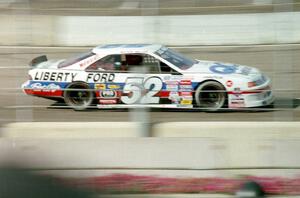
<point>135,87</point>
<point>153,85</point>
<point>133,90</point>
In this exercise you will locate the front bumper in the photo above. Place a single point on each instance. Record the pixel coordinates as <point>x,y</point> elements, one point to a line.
<point>258,96</point>
<point>251,99</point>
<point>259,99</point>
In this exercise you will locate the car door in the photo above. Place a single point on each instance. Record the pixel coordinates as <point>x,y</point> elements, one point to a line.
<point>126,79</point>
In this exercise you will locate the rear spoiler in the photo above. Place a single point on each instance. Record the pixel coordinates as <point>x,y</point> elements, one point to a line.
<point>38,60</point>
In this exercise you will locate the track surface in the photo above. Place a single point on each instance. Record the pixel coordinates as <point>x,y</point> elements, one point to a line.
<point>279,62</point>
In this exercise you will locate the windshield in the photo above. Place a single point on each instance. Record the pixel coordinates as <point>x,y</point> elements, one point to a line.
<point>175,58</point>
<point>75,59</point>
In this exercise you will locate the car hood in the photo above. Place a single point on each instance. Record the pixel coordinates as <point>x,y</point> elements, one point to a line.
<point>220,68</point>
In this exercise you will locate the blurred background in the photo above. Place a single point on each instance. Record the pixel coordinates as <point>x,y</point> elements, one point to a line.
<point>226,148</point>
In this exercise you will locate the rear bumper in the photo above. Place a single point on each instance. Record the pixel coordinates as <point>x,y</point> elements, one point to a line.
<point>42,89</point>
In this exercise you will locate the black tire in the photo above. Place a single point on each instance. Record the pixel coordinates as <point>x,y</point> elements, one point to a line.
<point>78,96</point>
<point>210,96</point>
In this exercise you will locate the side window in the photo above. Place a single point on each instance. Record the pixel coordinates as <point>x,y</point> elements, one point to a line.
<point>132,61</point>
<point>151,63</point>
<point>108,63</point>
<point>166,69</point>
<point>128,62</point>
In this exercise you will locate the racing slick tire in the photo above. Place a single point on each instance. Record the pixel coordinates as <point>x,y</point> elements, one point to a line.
<point>210,96</point>
<point>78,96</point>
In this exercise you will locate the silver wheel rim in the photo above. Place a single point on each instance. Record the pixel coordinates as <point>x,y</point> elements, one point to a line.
<point>211,97</point>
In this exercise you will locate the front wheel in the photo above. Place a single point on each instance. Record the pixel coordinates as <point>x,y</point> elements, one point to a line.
<point>78,96</point>
<point>210,96</point>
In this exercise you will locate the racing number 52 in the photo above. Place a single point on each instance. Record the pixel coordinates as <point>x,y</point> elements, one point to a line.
<point>134,88</point>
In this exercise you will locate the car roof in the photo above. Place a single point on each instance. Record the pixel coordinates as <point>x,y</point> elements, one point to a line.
<point>126,48</point>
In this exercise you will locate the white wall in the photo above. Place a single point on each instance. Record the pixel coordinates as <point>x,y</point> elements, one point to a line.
<point>228,29</point>
<point>186,145</point>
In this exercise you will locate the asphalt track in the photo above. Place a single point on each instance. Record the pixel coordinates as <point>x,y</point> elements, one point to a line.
<point>280,62</point>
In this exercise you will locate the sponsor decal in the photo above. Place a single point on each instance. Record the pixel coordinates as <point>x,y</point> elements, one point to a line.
<point>103,86</point>
<point>186,93</point>
<point>223,69</point>
<point>174,97</point>
<point>186,102</point>
<point>87,62</point>
<point>100,77</point>
<point>171,87</point>
<point>185,86</point>
<point>229,83</point>
<point>100,86</point>
<point>106,101</point>
<point>45,88</point>
<point>185,82</point>
<point>171,82</point>
<point>186,98</point>
<point>55,76</point>
<point>108,94</point>
<point>236,100</point>
<point>214,77</point>
<point>113,86</point>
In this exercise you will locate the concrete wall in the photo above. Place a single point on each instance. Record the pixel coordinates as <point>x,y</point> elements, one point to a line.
<point>229,29</point>
<point>202,145</point>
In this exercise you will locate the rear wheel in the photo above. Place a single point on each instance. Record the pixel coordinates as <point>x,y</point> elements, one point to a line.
<point>210,96</point>
<point>78,96</point>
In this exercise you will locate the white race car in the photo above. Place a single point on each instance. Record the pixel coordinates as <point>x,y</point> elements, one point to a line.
<point>139,75</point>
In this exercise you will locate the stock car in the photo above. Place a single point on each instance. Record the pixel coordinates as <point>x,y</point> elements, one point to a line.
<point>146,75</point>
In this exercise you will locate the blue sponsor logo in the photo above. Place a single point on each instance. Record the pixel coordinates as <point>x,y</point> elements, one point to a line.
<point>223,69</point>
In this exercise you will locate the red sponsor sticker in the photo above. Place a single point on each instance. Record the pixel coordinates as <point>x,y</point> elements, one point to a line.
<point>185,82</point>
<point>185,93</point>
<point>171,82</point>
<point>229,83</point>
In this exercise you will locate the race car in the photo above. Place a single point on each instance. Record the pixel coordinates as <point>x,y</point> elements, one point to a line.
<point>146,75</point>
